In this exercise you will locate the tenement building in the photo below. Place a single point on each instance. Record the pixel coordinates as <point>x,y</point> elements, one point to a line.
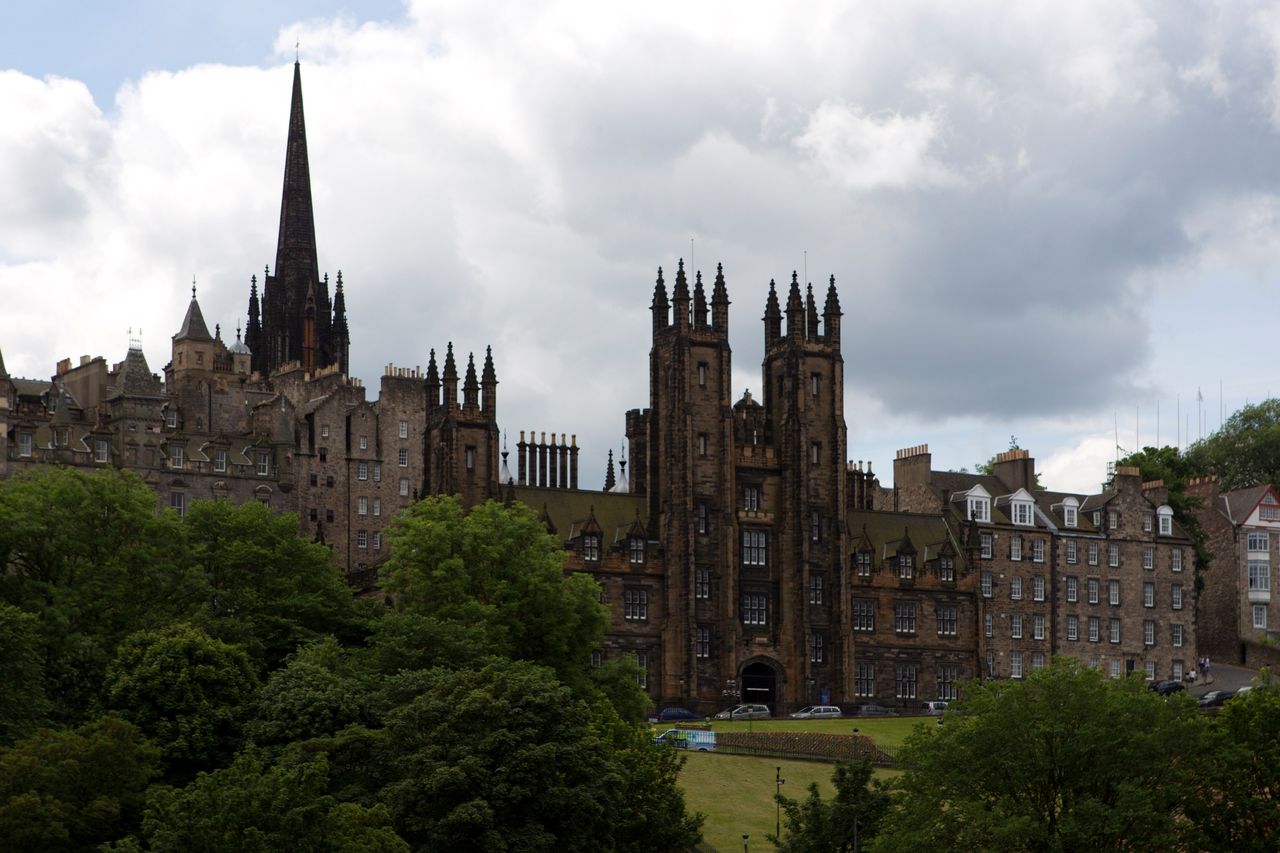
<point>740,553</point>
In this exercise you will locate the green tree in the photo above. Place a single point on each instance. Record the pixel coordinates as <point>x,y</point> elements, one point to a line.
<point>251,807</point>
<point>73,789</point>
<point>1175,469</point>
<point>1065,760</point>
<point>186,690</point>
<point>1245,451</point>
<point>315,694</point>
<point>501,758</point>
<point>266,589</point>
<point>401,642</point>
<point>496,566</point>
<point>845,823</point>
<point>22,701</point>
<point>619,682</point>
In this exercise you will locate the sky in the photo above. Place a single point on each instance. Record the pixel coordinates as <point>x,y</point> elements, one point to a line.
<point>1045,220</point>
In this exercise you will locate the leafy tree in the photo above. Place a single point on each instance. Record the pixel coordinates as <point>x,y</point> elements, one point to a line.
<point>22,701</point>
<point>254,808</point>
<point>501,758</point>
<point>844,824</point>
<point>267,589</point>
<point>1066,760</point>
<point>315,694</point>
<point>1245,451</point>
<point>186,690</point>
<point>618,681</point>
<point>400,642</point>
<point>496,566</point>
<point>73,789</point>
<point>1175,469</point>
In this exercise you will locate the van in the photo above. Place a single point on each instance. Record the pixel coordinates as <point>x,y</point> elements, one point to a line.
<point>694,739</point>
<point>933,709</point>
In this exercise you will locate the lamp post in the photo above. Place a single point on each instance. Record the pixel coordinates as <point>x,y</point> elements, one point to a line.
<point>777,805</point>
<point>744,842</point>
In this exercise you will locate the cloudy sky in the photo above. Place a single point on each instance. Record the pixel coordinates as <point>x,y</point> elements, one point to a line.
<point>1045,219</point>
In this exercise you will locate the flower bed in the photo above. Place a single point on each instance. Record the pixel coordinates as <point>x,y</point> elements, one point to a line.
<point>818,745</point>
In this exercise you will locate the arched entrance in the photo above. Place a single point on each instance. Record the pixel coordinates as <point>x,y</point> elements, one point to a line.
<point>760,684</point>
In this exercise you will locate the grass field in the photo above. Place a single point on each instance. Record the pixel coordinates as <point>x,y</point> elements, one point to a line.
<point>735,792</point>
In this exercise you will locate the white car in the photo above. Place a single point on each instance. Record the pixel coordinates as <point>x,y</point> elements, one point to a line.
<point>815,712</point>
<point>745,712</point>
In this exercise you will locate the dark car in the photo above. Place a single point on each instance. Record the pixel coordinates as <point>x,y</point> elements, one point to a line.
<point>870,709</point>
<point>674,714</point>
<point>1168,688</point>
<point>1216,698</point>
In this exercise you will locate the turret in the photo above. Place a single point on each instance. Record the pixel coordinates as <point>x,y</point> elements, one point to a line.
<point>450,379</point>
<point>680,299</point>
<point>253,331</point>
<point>471,386</point>
<point>795,310</point>
<point>660,307</point>
<point>720,304</point>
<point>699,303</point>
<point>831,314</point>
<point>489,386</point>
<point>772,316</point>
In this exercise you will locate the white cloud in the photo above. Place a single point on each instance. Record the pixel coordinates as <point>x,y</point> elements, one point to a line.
<point>867,152</point>
<point>1081,467</point>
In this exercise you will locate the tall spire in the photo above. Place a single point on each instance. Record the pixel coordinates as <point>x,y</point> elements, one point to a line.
<point>609,479</point>
<point>296,244</point>
<point>341,335</point>
<point>253,331</point>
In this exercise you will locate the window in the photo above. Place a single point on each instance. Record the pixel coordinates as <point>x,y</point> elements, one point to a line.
<point>1021,512</point>
<point>1015,626</point>
<point>404,457</point>
<point>863,562</point>
<point>702,583</point>
<point>815,383</point>
<point>946,569</point>
<point>1175,595</point>
<point>178,500</point>
<point>323,453</point>
<point>1015,664</point>
<point>377,506</point>
<point>1093,553</point>
<point>1037,660</point>
<point>904,618</point>
<point>102,452</point>
<point>1069,516</point>
<point>1148,595</point>
<point>1093,590</point>
<point>906,678</point>
<point>362,539</point>
<point>377,472</point>
<point>469,459</point>
<point>1071,551</point>
<point>1037,550</point>
<point>1148,558</point>
<point>1260,616</point>
<point>1015,588</point>
<point>313,513</point>
<point>751,498</point>
<point>591,547</point>
<point>702,643</point>
<point>1094,633</point>
<point>1149,632</point>
<point>991,664</point>
<point>1113,520</point>
<point>947,677</point>
<point>864,615</point>
<point>700,517</point>
<point>947,621</point>
<point>404,429</point>
<point>1037,588</point>
<point>264,463</point>
<point>636,548</point>
<point>220,460</point>
<point>635,605</point>
<point>364,442</point>
<point>1269,511</point>
<point>1113,593</point>
<point>1037,626</point>
<point>702,374</point>
<point>1259,575</point>
<point>988,625</point>
<point>324,430</point>
<point>328,516</point>
<point>1146,522</point>
<point>597,659</point>
<point>1166,520</point>
<point>404,487</point>
<point>1115,667</point>
<point>864,679</point>
<point>815,648</point>
<point>377,541</point>
<point>1113,633</point>
<point>171,418</point>
<point>979,509</point>
<point>1113,555</point>
<point>906,566</point>
<point>1015,547</point>
<point>1259,541</point>
<point>1176,670</point>
<point>362,505</point>
<point>986,584</point>
<point>1176,631</point>
<point>642,677</point>
<point>1097,518</point>
<point>1175,559</point>
<point>815,526</point>
<point>815,588</point>
<point>755,547</point>
<point>815,453</point>
<point>702,444</point>
<point>1073,628</point>
<point>987,547</point>
<point>1073,590</point>
<point>755,609</point>
<point>178,456</point>
<point>362,470</point>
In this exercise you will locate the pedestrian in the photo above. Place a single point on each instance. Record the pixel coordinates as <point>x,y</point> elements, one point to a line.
<point>1191,677</point>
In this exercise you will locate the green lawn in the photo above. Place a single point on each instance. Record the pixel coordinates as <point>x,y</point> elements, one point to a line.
<point>735,792</point>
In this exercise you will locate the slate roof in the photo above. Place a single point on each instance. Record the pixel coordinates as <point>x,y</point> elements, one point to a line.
<point>193,325</point>
<point>1238,504</point>
<point>928,532</point>
<point>569,510</point>
<point>135,378</point>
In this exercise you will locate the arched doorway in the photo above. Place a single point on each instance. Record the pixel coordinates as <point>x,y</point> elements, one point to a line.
<point>760,684</point>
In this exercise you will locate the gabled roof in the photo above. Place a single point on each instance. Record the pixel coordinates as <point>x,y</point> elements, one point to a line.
<point>1239,504</point>
<point>193,325</point>
<point>569,509</point>
<point>135,378</point>
<point>886,532</point>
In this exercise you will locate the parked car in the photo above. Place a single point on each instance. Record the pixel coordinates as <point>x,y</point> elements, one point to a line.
<point>693,739</point>
<point>816,712</point>
<point>933,709</point>
<point>1168,688</point>
<point>1243,691</point>
<point>745,712</point>
<point>1215,698</point>
<point>871,709</point>
<point>674,714</point>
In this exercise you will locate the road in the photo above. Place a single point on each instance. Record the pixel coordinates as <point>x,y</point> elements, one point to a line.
<point>1223,677</point>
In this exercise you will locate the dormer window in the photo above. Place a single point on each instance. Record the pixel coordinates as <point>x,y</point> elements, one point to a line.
<point>1070,512</point>
<point>1021,512</point>
<point>591,547</point>
<point>1165,516</point>
<point>176,459</point>
<point>637,551</point>
<point>906,566</point>
<point>979,509</point>
<point>171,418</point>
<point>751,498</point>
<point>947,569</point>
<point>863,563</point>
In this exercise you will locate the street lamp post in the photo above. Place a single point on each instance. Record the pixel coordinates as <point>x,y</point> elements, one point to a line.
<point>777,805</point>
<point>744,842</point>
